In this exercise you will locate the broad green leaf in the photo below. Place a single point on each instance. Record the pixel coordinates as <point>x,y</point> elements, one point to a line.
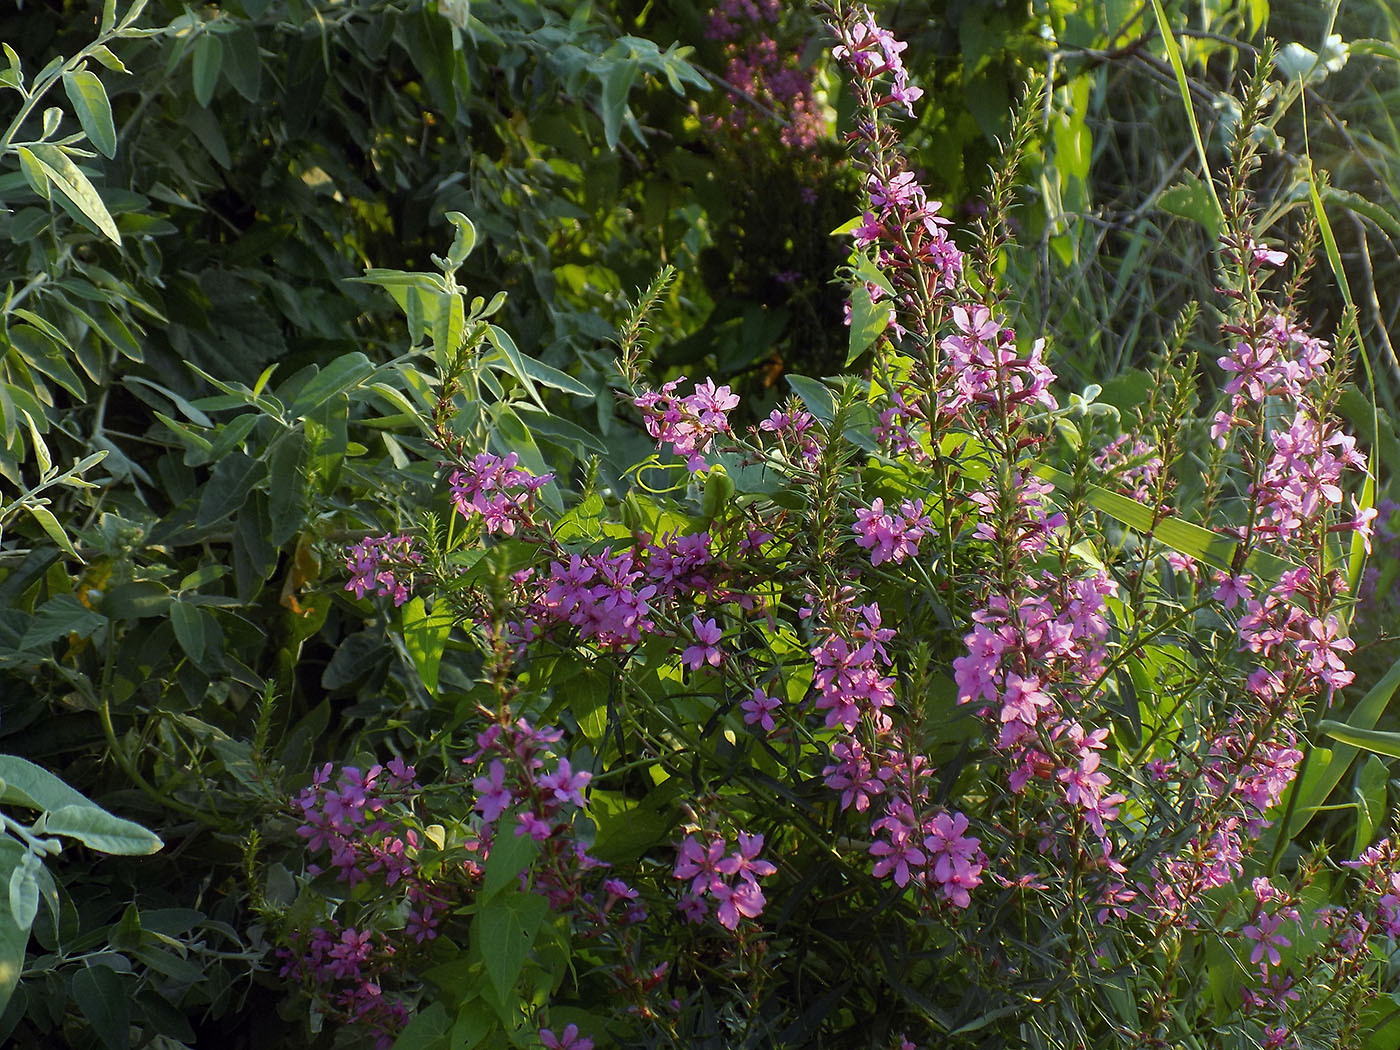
<point>1194,541</point>
<point>552,377</point>
<point>52,528</point>
<point>234,478</point>
<point>449,325</point>
<point>89,100</point>
<point>511,436</point>
<point>342,374</point>
<point>24,892</point>
<point>105,1000</point>
<point>815,396</point>
<point>41,352</point>
<point>425,636</point>
<point>1377,740</point>
<point>510,855</point>
<point>208,58</point>
<point>242,63</point>
<point>104,55</point>
<point>1313,793</point>
<point>464,240</point>
<point>868,320</point>
<point>97,829</point>
<point>26,784</point>
<point>1371,797</point>
<point>65,176</point>
<point>13,939</point>
<point>286,496</point>
<point>501,339</point>
<point>507,926</point>
<point>617,83</point>
<point>33,171</point>
<point>57,618</point>
<point>427,1031</point>
<point>188,622</point>
<point>1190,199</point>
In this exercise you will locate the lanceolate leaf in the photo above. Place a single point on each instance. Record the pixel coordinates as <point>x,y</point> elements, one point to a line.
<point>97,829</point>
<point>94,111</point>
<point>1379,741</point>
<point>1194,541</point>
<point>1351,739</point>
<point>66,177</point>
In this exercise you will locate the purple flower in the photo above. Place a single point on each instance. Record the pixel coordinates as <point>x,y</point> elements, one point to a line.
<point>569,1040</point>
<point>708,635</point>
<point>1267,940</point>
<point>760,709</point>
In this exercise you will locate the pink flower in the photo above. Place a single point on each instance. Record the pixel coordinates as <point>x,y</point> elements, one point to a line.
<point>760,709</point>
<point>708,635</point>
<point>1267,940</point>
<point>569,1040</point>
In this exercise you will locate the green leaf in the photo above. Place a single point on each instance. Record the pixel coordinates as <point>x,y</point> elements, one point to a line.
<point>24,892</point>
<point>89,100</point>
<point>427,1031</point>
<point>510,855</point>
<point>449,324</point>
<point>188,622</point>
<point>26,784</point>
<point>1314,792</point>
<point>65,176</point>
<point>511,436</point>
<point>97,829</point>
<point>33,171</point>
<point>228,488</point>
<point>1371,797</point>
<point>868,320</point>
<point>41,352</point>
<point>501,339</point>
<point>464,240</point>
<point>243,64</point>
<point>617,83</point>
<point>1192,540</point>
<point>342,374</point>
<point>286,496</point>
<point>52,528</point>
<point>507,928</point>
<point>425,636</point>
<point>1190,199</point>
<point>815,396</point>
<point>1377,740</point>
<point>208,58</point>
<point>552,377</point>
<point>57,618</point>
<point>13,939</point>
<point>1184,91</point>
<point>104,999</point>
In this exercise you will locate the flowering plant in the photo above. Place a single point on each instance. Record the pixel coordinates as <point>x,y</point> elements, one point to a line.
<point>928,711</point>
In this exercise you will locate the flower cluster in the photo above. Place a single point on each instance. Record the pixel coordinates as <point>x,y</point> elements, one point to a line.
<point>873,52</point>
<point>797,429</point>
<point>688,424</point>
<point>496,490</point>
<point>383,566</point>
<point>729,879</point>
<point>891,537</point>
<point>1132,464</point>
<point>763,74</point>
<point>345,967</point>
